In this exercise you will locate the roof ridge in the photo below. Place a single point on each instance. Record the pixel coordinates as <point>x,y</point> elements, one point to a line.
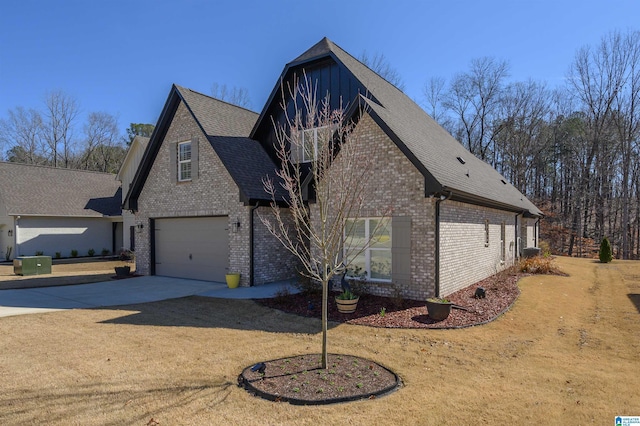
<point>213,98</point>
<point>43,166</point>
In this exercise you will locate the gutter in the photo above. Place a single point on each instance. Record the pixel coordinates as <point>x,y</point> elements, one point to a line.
<point>251,262</point>
<point>440,199</point>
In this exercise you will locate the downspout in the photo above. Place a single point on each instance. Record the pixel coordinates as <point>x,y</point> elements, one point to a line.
<point>536,232</point>
<point>251,263</point>
<point>440,199</point>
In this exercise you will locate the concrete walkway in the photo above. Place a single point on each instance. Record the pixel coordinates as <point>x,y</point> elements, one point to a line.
<point>125,292</point>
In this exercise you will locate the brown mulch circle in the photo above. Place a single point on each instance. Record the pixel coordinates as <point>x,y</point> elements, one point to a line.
<point>376,311</point>
<point>301,380</point>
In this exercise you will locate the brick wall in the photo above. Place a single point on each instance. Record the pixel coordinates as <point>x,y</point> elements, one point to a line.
<point>213,193</point>
<point>271,261</point>
<point>396,183</point>
<point>464,256</point>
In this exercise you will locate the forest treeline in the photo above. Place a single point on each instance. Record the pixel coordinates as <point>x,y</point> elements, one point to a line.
<point>573,150</point>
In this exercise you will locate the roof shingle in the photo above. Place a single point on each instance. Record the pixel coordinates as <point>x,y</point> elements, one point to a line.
<point>47,191</point>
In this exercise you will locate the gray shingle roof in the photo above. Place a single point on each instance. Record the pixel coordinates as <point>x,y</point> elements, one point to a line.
<point>433,149</point>
<point>227,128</point>
<point>247,163</point>
<point>218,118</point>
<point>48,191</point>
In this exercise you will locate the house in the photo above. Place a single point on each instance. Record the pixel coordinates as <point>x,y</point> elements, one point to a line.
<point>55,210</point>
<point>455,219</point>
<point>125,177</point>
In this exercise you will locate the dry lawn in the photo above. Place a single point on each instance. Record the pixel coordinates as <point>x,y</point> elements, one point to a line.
<point>566,353</point>
<point>63,272</point>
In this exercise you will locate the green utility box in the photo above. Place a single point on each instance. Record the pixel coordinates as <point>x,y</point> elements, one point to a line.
<point>32,265</point>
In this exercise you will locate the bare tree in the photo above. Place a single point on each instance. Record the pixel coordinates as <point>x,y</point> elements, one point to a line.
<point>434,94</point>
<point>103,149</point>
<point>236,95</point>
<point>336,175</point>
<point>22,131</point>
<point>474,99</point>
<point>380,64</point>
<point>61,113</point>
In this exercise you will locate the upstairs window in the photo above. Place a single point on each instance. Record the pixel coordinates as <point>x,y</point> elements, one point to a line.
<point>312,141</point>
<point>184,161</point>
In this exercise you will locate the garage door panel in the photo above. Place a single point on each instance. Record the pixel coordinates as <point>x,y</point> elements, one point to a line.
<point>195,248</point>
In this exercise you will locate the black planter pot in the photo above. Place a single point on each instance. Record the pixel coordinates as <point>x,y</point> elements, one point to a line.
<point>122,271</point>
<point>438,311</point>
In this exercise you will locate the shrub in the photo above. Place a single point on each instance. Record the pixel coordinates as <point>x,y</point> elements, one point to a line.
<point>74,253</point>
<point>545,249</point>
<point>39,253</point>
<point>91,252</point>
<point>538,265</point>
<point>605,254</point>
<point>58,255</point>
<point>105,252</point>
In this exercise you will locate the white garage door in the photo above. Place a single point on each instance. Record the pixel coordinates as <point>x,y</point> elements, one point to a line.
<point>195,248</point>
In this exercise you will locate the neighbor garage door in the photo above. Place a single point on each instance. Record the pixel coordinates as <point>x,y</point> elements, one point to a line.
<point>195,248</point>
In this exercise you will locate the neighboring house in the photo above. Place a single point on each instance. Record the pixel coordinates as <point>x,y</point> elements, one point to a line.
<point>125,176</point>
<point>55,210</point>
<point>455,219</point>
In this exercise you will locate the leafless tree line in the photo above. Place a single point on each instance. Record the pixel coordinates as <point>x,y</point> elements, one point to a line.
<point>574,149</point>
<point>50,136</point>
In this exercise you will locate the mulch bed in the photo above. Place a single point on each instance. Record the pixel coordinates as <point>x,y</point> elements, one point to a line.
<point>375,311</point>
<point>301,380</point>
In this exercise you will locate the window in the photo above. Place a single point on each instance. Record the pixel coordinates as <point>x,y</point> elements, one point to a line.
<point>312,141</point>
<point>486,232</point>
<point>503,242</point>
<point>184,161</point>
<point>368,243</point>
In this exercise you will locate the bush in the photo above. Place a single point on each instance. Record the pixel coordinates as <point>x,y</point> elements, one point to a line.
<point>605,253</point>
<point>39,253</point>
<point>105,252</point>
<point>58,255</point>
<point>74,253</point>
<point>91,252</point>
<point>538,265</point>
<point>545,249</point>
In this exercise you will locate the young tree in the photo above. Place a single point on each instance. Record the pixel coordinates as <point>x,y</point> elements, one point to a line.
<point>316,228</point>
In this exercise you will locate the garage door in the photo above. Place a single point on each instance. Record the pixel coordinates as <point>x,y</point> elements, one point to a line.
<point>195,248</point>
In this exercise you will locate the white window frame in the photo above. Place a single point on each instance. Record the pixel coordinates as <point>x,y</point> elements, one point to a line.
<point>308,137</point>
<point>185,161</point>
<point>368,250</point>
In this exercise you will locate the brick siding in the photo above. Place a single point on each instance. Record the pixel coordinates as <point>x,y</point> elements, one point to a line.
<point>213,193</point>
<point>464,256</point>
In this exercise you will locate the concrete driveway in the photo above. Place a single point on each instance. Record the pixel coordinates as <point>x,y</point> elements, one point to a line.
<point>124,292</point>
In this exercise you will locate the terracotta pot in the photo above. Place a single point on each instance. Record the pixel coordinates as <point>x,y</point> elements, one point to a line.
<point>347,306</point>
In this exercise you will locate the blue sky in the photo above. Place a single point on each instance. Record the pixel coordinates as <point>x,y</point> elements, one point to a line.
<point>121,56</point>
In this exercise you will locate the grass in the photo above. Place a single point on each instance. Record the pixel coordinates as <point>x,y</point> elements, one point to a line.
<point>566,353</point>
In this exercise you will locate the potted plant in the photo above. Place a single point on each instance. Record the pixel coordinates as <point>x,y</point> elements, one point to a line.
<point>347,302</point>
<point>438,308</point>
<point>125,270</point>
<point>233,279</point>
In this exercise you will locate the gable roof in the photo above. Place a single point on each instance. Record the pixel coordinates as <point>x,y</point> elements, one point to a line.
<point>138,143</point>
<point>29,190</point>
<point>432,150</point>
<point>227,128</point>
